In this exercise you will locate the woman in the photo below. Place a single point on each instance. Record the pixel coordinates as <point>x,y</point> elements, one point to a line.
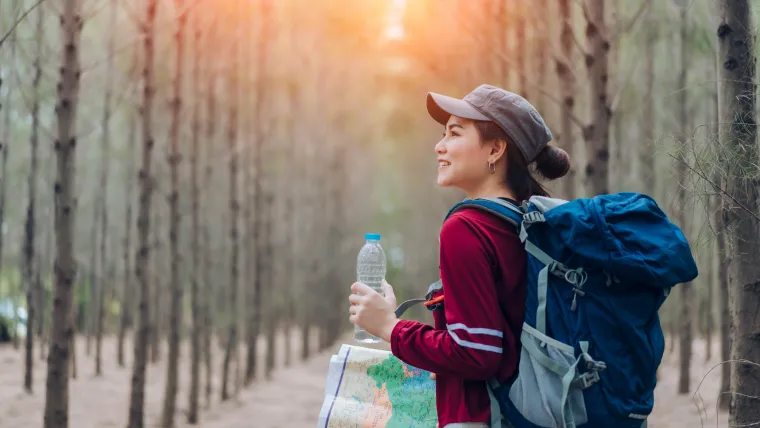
<point>491,138</point>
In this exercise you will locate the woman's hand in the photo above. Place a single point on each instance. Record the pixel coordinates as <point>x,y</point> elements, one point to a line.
<point>373,312</point>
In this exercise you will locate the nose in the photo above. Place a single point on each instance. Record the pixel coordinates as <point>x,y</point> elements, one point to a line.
<point>440,147</point>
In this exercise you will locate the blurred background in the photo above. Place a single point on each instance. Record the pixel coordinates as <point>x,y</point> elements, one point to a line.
<point>271,136</point>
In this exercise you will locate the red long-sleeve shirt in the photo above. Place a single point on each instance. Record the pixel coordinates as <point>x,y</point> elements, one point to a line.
<point>476,335</point>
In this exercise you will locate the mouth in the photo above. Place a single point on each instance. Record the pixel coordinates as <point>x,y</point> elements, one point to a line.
<point>443,163</point>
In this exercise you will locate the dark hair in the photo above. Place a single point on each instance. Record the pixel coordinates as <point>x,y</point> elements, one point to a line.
<point>551,163</point>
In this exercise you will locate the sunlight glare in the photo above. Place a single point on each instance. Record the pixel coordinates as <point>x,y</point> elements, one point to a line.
<point>395,28</point>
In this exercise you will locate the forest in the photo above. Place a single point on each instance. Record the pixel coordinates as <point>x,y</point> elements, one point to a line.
<point>185,185</point>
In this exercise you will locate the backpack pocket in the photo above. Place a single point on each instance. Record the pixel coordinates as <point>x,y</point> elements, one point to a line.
<point>542,392</point>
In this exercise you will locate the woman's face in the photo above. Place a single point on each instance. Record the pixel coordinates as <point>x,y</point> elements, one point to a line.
<point>462,158</point>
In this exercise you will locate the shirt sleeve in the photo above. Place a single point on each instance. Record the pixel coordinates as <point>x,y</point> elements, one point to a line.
<point>471,345</point>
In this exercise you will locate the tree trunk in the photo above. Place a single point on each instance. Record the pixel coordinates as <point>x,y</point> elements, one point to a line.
<point>209,286</point>
<point>646,147</point>
<point>521,48</point>
<point>597,133</point>
<point>564,68</point>
<point>248,210</point>
<point>139,365</point>
<point>175,304</point>
<point>62,331</point>
<point>104,170</point>
<point>616,147</point>
<point>126,310</point>
<point>709,299</point>
<point>5,147</point>
<point>30,226</point>
<point>94,279</point>
<point>687,298</point>
<point>157,275</point>
<point>270,303</point>
<point>502,43</point>
<point>736,104</point>
<point>234,206</point>
<point>540,9</point>
<point>724,261</point>
<point>258,207</point>
<point>195,304</point>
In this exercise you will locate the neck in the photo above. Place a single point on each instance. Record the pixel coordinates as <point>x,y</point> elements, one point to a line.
<point>491,189</point>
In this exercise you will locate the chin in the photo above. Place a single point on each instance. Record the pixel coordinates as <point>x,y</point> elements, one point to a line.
<point>444,181</point>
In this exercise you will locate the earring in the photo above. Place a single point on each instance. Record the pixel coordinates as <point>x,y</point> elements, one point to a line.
<point>491,167</point>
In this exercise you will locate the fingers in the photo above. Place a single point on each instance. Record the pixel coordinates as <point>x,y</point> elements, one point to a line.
<point>390,296</point>
<point>432,376</point>
<point>388,290</point>
<point>361,289</point>
<point>355,299</point>
<point>353,310</point>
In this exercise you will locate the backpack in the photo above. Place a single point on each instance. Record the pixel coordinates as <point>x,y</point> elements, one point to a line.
<point>598,270</point>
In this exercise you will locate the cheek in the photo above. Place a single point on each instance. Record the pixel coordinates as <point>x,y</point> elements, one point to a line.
<point>466,161</point>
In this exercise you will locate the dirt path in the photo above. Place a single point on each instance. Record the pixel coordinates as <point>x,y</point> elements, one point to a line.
<point>291,399</point>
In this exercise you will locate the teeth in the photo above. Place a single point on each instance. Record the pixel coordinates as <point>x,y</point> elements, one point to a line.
<point>444,163</point>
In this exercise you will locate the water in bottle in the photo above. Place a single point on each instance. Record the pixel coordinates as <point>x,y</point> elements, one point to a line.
<point>370,270</point>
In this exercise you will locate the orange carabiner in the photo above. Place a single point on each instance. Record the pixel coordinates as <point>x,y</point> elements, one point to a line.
<point>434,300</point>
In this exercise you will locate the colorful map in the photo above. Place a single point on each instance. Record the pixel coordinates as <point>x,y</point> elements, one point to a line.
<point>370,388</point>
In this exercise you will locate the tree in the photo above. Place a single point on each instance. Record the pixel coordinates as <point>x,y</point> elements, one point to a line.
<point>597,133</point>
<point>195,304</point>
<point>259,201</point>
<point>564,68</point>
<point>126,313</point>
<point>105,280</point>
<point>687,296</point>
<point>645,148</point>
<point>30,277</point>
<point>738,133</point>
<point>175,302</point>
<point>62,330</point>
<point>234,206</point>
<point>137,394</point>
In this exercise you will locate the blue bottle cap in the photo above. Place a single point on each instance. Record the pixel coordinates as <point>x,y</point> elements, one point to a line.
<point>372,236</point>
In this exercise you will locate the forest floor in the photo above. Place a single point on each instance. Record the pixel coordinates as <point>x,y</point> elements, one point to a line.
<point>292,398</point>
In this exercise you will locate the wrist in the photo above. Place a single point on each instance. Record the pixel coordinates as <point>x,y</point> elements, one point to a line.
<point>387,331</point>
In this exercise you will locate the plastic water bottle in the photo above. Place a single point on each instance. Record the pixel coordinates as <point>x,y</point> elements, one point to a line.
<point>370,270</point>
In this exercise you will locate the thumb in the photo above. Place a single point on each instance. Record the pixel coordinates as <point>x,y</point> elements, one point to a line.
<point>389,295</point>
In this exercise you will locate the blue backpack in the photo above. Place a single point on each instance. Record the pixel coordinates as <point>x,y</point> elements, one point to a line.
<point>598,270</point>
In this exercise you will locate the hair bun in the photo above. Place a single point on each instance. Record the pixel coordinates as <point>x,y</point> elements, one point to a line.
<point>552,162</point>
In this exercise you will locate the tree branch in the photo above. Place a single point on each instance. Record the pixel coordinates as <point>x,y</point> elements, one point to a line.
<point>627,26</point>
<point>18,21</point>
<point>715,186</point>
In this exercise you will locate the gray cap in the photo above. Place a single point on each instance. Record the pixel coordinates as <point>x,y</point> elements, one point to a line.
<point>513,113</point>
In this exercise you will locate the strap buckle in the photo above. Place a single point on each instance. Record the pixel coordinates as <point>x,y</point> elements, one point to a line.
<point>586,380</point>
<point>533,217</point>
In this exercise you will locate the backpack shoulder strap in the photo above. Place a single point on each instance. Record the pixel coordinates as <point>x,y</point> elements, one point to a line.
<point>505,210</point>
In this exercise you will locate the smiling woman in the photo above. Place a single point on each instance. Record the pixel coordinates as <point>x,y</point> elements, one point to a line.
<point>491,137</point>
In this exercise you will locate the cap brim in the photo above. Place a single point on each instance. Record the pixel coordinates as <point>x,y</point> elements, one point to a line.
<point>440,107</point>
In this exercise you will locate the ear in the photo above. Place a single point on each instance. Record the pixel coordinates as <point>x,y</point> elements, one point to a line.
<point>498,149</point>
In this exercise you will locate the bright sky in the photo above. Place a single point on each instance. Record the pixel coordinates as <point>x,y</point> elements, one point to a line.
<point>395,28</point>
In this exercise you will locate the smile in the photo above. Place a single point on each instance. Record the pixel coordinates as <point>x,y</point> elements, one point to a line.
<point>441,164</point>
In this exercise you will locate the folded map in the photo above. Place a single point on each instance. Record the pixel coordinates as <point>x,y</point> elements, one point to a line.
<point>370,388</point>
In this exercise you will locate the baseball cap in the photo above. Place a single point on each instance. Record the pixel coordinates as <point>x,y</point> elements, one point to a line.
<point>514,114</point>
